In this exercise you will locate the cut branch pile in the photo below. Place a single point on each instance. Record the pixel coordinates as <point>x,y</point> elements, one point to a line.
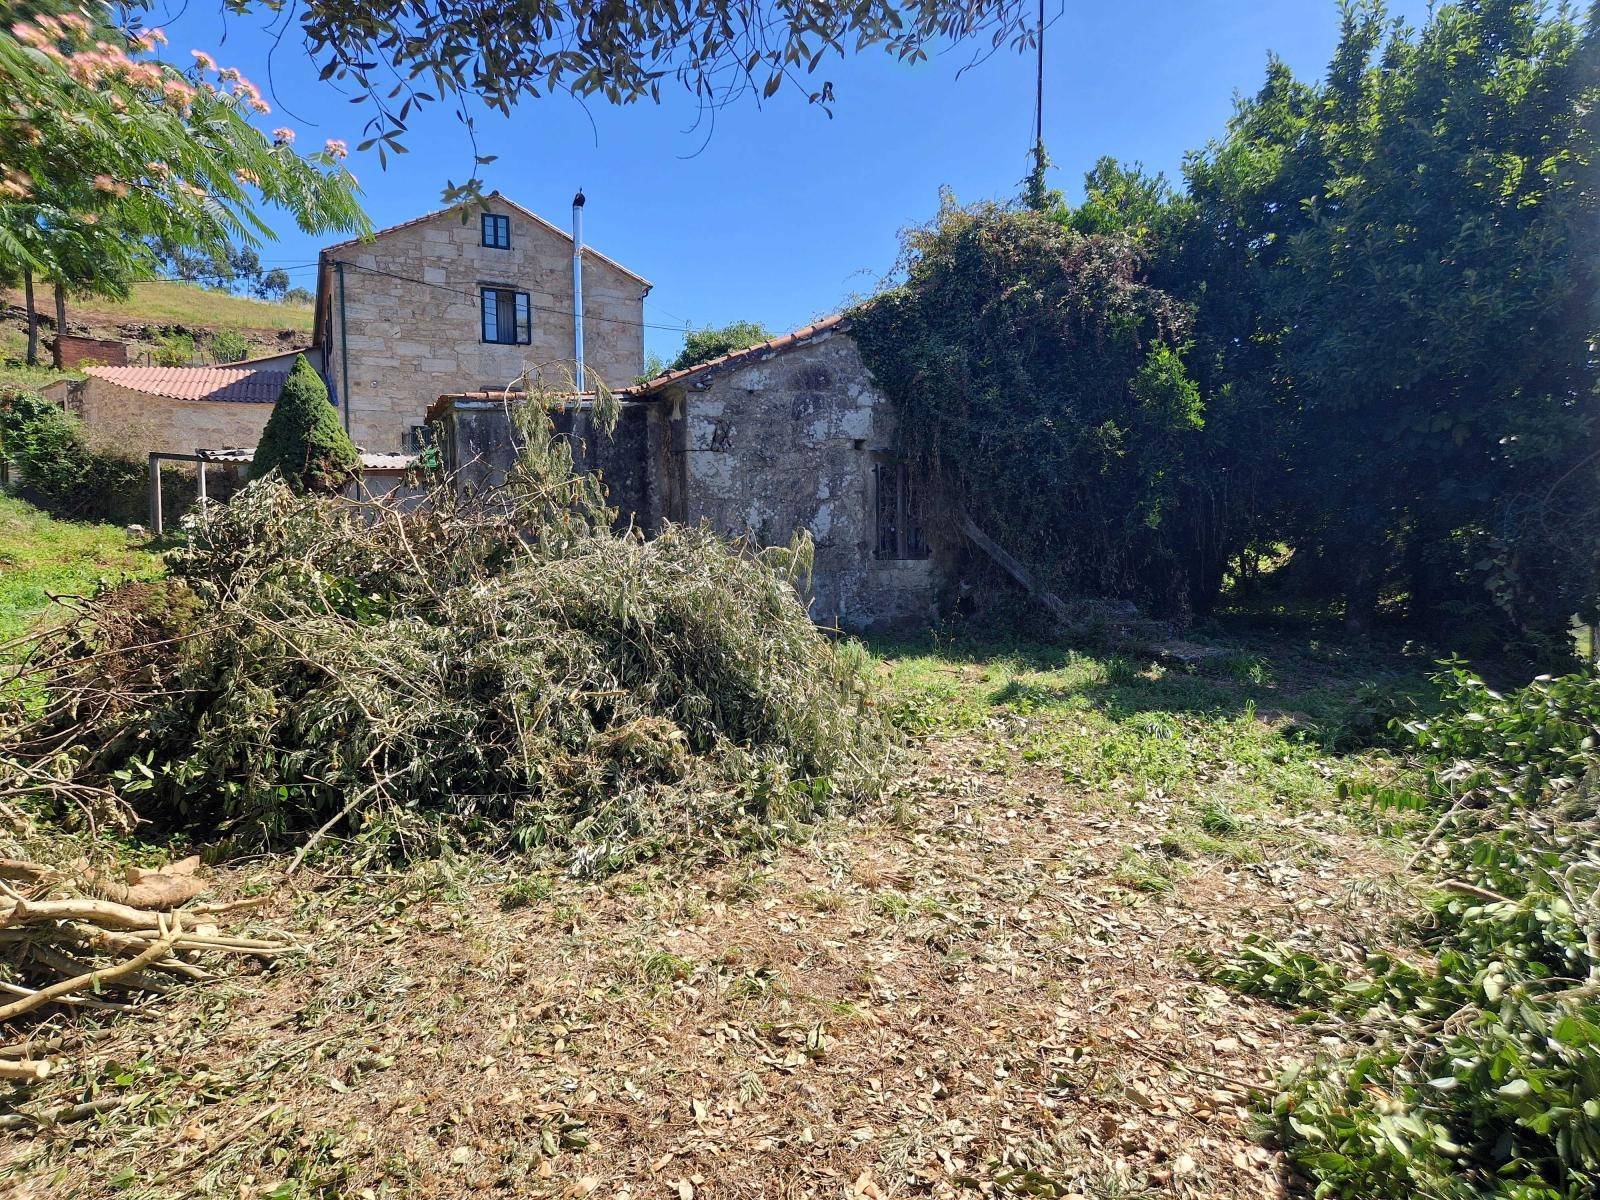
<point>504,668</point>
<point>96,953</point>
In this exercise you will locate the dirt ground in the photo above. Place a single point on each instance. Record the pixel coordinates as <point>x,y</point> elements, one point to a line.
<point>975,987</point>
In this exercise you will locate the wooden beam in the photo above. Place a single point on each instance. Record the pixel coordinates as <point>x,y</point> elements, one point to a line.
<point>1056,606</point>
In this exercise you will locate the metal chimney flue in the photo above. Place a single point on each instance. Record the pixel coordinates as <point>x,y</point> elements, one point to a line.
<point>577,290</point>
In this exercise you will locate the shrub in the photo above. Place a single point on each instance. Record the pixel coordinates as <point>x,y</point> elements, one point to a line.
<point>226,345</point>
<point>65,477</point>
<point>304,441</point>
<point>1475,1074</point>
<point>174,349</point>
<point>702,345</point>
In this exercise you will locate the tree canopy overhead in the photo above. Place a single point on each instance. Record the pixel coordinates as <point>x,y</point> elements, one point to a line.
<point>502,51</point>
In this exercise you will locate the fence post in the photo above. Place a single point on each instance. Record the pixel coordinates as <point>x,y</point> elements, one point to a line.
<point>155,494</point>
<point>202,496</point>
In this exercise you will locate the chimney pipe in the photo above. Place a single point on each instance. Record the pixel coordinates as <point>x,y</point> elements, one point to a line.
<point>577,289</point>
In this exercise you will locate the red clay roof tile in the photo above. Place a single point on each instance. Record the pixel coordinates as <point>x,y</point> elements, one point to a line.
<point>239,385</point>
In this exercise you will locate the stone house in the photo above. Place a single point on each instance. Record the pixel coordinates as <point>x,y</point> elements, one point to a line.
<point>786,436</point>
<point>464,299</point>
<point>471,296</point>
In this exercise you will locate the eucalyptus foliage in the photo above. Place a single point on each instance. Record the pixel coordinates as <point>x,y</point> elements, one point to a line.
<point>504,669</point>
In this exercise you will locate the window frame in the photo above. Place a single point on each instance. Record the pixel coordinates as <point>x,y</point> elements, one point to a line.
<point>498,222</point>
<point>898,534</point>
<point>521,322</point>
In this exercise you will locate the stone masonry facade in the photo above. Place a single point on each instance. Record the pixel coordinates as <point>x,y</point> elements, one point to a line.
<point>772,445</point>
<point>764,444</point>
<point>407,324</point>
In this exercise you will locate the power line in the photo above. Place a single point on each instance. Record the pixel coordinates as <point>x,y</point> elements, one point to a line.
<point>444,287</point>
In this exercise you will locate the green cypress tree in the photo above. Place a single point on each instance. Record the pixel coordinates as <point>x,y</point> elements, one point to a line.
<point>303,439</point>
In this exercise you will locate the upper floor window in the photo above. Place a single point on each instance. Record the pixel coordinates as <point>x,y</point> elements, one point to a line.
<point>496,231</point>
<point>507,317</point>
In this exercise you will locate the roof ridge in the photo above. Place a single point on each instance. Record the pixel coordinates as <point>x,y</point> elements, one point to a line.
<point>497,194</point>
<point>783,341</point>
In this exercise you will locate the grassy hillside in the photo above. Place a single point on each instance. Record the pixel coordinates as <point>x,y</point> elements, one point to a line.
<point>41,557</point>
<point>184,304</point>
<point>142,320</point>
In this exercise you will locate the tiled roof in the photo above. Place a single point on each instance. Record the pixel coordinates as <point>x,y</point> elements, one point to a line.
<point>761,350</point>
<point>643,391</point>
<point>590,251</point>
<point>370,462</point>
<point>246,385</point>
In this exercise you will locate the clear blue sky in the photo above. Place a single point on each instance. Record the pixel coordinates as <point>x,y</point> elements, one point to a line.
<point>780,213</point>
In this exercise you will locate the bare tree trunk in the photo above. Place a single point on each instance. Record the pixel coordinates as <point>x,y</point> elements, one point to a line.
<point>61,323</point>
<point>33,318</point>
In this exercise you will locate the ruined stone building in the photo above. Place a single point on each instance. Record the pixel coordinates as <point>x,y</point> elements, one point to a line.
<point>786,436</point>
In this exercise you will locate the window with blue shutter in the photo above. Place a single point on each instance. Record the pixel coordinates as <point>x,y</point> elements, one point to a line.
<point>507,317</point>
<point>496,231</point>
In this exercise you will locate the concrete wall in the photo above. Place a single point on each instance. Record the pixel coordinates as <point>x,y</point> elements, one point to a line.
<point>411,342</point>
<point>283,361</point>
<point>770,447</point>
<point>118,418</point>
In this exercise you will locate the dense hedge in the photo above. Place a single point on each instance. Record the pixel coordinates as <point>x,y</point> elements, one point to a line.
<point>1039,380</point>
<point>57,469</point>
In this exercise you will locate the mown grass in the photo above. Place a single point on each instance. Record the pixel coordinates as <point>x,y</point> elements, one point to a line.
<point>1261,731</point>
<point>162,303</point>
<point>41,556</point>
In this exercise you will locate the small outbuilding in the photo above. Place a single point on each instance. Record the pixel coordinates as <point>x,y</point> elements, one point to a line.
<point>785,436</point>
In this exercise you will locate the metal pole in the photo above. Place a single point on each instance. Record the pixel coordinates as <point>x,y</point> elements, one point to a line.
<point>155,494</point>
<point>577,289</point>
<point>202,487</point>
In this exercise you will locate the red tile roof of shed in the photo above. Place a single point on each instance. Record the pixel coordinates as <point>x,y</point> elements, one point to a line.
<point>238,385</point>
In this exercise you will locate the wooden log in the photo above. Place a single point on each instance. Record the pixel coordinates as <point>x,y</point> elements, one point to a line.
<point>1052,602</point>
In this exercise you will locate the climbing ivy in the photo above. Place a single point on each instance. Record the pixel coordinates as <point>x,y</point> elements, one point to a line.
<point>1041,382</point>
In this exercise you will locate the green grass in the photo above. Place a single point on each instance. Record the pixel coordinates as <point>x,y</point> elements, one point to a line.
<point>41,556</point>
<point>1255,734</point>
<point>188,304</point>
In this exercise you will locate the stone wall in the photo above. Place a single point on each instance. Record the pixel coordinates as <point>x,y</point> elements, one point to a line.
<point>788,442</point>
<point>411,342</point>
<point>759,448</point>
<point>121,419</point>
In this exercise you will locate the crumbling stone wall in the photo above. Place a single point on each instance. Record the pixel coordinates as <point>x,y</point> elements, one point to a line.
<point>772,445</point>
<point>412,302</point>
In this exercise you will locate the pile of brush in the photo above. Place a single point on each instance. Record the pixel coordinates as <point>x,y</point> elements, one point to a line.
<point>507,670</point>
